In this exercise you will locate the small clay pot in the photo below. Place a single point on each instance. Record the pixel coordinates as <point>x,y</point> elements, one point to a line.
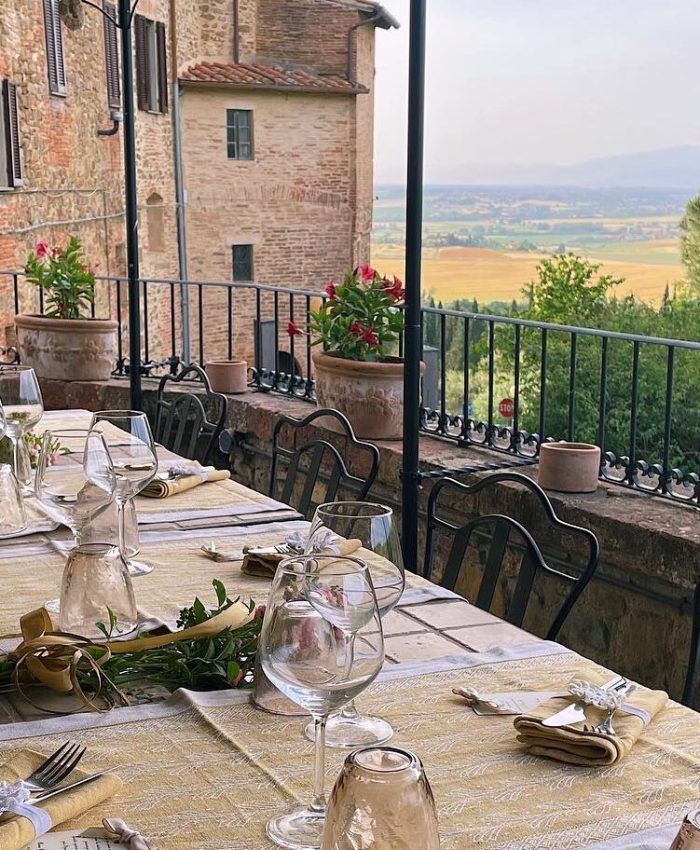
<point>569,467</point>
<point>228,376</point>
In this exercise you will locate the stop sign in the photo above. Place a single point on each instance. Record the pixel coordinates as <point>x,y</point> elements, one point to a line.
<point>506,407</point>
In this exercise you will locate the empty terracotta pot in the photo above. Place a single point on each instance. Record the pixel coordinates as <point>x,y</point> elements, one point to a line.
<point>228,376</point>
<point>569,467</point>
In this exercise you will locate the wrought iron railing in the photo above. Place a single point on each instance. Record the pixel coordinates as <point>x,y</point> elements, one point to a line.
<point>492,381</point>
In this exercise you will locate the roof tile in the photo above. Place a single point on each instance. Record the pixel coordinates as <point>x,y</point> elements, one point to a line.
<point>267,77</point>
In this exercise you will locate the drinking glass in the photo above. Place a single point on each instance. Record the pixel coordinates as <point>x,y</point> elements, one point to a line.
<point>104,528</point>
<point>374,526</point>
<point>12,516</point>
<point>382,798</point>
<point>130,443</point>
<point>96,582</point>
<point>321,644</point>
<point>23,405</point>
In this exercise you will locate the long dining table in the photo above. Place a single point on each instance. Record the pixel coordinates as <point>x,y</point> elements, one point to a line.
<point>205,771</point>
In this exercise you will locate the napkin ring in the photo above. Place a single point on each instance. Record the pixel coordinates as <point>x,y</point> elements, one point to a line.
<point>15,797</point>
<point>590,694</point>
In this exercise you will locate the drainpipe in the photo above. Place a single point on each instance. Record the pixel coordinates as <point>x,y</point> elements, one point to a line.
<point>351,32</point>
<point>181,228</point>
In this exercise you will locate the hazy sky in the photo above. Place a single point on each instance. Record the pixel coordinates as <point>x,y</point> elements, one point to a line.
<point>541,81</point>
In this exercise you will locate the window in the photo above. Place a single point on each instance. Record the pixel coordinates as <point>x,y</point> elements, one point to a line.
<point>243,262</point>
<point>10,158</point>
<point>239,133</point>
<point>114,99</point>
<point>54,48</point>
<point>151,65</point>
<point>154,219</point>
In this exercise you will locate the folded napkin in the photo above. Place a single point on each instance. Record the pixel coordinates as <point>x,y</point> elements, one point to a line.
<point>263,562</point>
<point>573,745</point>
<point>161,488</point>
<point>18,831</point>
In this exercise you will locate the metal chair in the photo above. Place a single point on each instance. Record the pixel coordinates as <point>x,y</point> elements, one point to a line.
<point>189,424</point>
<point>319,463</point>
<point>504,534</point>
<point>691,676</point>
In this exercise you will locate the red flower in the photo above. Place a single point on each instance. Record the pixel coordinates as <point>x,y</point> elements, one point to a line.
<point>395,290</point>
<point>330,290</point>
<point>370,337</point>
<point>42,249</point>
<point>356,328</point>
<point>294,329</point>
<point>367,273</point>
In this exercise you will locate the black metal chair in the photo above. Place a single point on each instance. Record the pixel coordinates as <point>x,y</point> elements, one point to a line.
<point>691,676</point>
<point>189,424</point>
<point>504,535</point>
<point>319,464</point>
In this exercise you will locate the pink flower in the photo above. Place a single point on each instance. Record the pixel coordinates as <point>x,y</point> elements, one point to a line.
<point>370,337</point>
<point>237,680</point>
<point>42,249</point>
<point>330,291</point>
<point>259,612</point>
<point>367,273</point>
<point>395,290</point>
<point>356,328</point>
<point>294,330</point>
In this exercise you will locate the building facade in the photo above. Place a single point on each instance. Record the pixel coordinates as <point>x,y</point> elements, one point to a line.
<point>266,105</point>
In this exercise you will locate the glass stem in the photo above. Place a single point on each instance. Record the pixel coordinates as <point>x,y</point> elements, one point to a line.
<point>349,711</point>
<point>21,461</point>
<point>318,803</point>
<point>121,526</point>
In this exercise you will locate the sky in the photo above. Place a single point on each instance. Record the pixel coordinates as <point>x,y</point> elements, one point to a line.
<point>522,82</point>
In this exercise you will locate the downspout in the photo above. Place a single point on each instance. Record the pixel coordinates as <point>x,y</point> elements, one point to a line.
<point>236,33</point>
<point>352,77</point>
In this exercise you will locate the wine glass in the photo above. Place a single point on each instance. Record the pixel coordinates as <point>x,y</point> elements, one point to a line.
<point>321,644</point>
<point>374,527</point>
<point>23,405</point>
<point>130,443</point>
<point>74,480</point>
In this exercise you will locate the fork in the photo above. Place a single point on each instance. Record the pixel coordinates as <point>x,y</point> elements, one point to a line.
<point>606,727</point>
<point>56,767</point>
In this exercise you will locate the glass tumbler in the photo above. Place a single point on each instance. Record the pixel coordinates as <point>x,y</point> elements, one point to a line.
<point>96,582</point>
<point>12,516</point>
<point>382,799</point>
<point>104,528</point>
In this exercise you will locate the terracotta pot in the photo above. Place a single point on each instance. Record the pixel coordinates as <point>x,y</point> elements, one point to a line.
<point>228,376</point>
<point>569,467</point>
<point>370,394</point>
<point>68,349</point>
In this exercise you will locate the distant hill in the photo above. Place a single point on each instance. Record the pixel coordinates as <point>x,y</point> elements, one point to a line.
<point>670,168</point>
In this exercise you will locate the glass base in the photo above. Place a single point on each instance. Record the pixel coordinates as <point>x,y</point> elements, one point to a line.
<point>298,830</point>
<point>351,732</point>
<point>53,606</point>
<point>138,568</point>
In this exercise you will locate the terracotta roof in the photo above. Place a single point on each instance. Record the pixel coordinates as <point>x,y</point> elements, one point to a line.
<point>267,77</point>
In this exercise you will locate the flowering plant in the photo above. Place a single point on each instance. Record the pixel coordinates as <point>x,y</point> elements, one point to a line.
<point>64,276</point>
<point>360,316</point>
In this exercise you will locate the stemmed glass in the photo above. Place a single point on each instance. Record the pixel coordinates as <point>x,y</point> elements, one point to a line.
<point>130,443</point>
<point>74,480</point>
<point>24,407</point>
<point>321,644</point>
<point>374,526</point>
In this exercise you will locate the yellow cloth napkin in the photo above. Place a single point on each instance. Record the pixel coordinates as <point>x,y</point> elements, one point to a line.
<point>263,562</point>
<point>18,831</point>
<point>571,744</point>
<point>161,489</point>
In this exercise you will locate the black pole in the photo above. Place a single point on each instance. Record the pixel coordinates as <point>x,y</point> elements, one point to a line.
<point>414,227</point>
<point>131,206</point>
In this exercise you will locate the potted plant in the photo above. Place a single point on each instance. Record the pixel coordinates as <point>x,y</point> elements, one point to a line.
<point>64,343</point>
<point>358,324</point>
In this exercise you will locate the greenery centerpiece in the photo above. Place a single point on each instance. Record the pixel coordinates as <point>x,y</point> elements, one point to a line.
<point>65,342</point>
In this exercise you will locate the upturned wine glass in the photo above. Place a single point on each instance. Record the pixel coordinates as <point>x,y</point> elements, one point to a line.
<point>373,526</point>
<point>24,407</point>
<point>130,443</point>
<point>321,644</point>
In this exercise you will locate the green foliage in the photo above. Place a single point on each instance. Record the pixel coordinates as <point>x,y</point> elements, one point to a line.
<point>690,242</point>
<point>361,316</point>
<point>62,273</point>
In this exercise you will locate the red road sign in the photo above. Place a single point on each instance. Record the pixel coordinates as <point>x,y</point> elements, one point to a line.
<point>506,408</point>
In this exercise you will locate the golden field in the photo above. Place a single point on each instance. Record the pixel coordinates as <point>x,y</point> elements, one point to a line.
<point>488,275</point>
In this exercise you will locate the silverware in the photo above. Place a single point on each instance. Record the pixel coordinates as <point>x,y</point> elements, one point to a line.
<point>606,727</point>
<point>56,767</point>
<point>72,785</point>
<point>576,712</point>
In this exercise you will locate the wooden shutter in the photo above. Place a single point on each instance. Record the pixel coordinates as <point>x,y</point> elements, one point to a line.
<point>54,48</point>
<point>12,137</point>
<point>162,68</point>
<point>111,55</point>
<point>142,62</point>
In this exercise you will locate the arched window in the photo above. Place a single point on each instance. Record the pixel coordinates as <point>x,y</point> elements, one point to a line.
<point>154,220</point>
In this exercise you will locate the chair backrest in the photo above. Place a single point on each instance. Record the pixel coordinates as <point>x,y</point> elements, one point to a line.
<point>504,535</point>
<point>312,473</point>
<point>189,424</point>
<point>691,675</point>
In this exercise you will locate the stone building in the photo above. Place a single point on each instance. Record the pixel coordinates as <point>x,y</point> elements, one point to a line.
<point>275,139</point>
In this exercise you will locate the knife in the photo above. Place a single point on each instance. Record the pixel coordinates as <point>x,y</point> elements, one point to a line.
<point>576,712</point>
<point>70,786</point>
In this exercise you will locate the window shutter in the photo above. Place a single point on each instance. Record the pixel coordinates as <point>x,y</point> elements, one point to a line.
<point>142,63</point>
<point>12,137</point>
<point>111,56</point>
<point>162,68</point>
<point>54,48</point>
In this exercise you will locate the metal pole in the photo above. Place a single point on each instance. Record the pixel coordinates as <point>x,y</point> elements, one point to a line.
<point>132,220</point>
<point>414,227</point>
<point>181,229</point>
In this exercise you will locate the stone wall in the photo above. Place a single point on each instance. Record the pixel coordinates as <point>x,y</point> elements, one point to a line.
<point>635,615</point>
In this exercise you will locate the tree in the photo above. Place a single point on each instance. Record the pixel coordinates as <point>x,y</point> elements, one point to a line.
<point>690,242</point>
